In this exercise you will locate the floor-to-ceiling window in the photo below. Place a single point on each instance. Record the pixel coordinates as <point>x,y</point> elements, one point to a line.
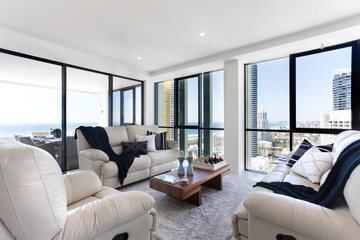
<point>308,95</point>
<point>87,105</point>
<point>164,107</point>
<point>30,99</point>
<point>42,102</point>
<point>192,109</point>
<point>127,102</point>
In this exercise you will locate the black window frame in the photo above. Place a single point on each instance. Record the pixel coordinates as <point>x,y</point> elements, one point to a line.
<point>64,67</point>
<point>177,126</point>
<point>355,98</point>
<point>122,90</point>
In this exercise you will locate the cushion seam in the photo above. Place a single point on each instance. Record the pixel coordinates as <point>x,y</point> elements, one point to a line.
<point>12,202</point>
<point>47,192</point>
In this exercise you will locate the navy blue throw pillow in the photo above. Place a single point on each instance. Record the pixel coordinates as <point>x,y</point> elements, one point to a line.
<point>326,148</point>
<point>304,146</point>
<point>135,148</point>
<point>160,140</point>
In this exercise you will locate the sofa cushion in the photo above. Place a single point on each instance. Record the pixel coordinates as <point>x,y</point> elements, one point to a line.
<point>160,140</point>
<point>299,180</point>
<point>142,162</point>
<point>135,147</point>
<point>313,164</point>
<point>163,156</point>
<point>150,141</point>
<point>134,130</point>
<point>304,146</point>
<point>110,168</point>
<point>324,176</point>
<point>352,193</point>
<point>281,167</point>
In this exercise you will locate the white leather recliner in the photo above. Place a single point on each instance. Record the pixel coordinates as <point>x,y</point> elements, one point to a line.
<point>266,215</point>
<point>38,202</point>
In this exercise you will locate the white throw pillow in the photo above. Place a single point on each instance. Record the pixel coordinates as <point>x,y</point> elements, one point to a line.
<point>150,141</point>
<point>313,164</point>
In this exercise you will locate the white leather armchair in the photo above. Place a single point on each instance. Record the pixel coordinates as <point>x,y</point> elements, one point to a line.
<point>38,202</point>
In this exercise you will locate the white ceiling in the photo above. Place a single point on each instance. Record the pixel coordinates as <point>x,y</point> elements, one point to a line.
<point>165,33</point>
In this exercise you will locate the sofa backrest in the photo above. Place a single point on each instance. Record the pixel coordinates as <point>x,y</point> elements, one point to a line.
<point>134,130</point>
<point>351,190</point>
<point>32,192</point>
<point>117,134</point>
<point>343,135</point>
<point>346,138</point>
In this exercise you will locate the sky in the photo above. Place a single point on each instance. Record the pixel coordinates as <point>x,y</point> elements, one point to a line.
<point>27,104</point>
<point>217,97</point>
<point>313,85</point>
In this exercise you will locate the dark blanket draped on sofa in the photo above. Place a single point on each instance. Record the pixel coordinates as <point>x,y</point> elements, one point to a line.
<point>98,139</point>
<point>333,186</point>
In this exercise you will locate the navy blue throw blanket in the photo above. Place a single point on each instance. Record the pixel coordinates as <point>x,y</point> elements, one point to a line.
<point>98,139</point>
<point>333,186</point>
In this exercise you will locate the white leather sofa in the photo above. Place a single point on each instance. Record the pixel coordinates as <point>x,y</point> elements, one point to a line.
<point>38,202</point>
<point>143,167</point>
<point>263,214</point>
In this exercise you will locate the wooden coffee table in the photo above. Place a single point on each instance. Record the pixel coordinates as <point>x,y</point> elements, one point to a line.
<point>192,192</point>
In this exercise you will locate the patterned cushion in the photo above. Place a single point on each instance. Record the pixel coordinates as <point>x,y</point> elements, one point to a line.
<point>160,140</point>
<point>304,146</point>
<point>325,148</point>
<point>135,147</point>
<point>313,164</point>
<point>150,141</point>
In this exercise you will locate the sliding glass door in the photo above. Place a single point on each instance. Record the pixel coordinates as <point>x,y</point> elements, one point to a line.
<point>30,103</point>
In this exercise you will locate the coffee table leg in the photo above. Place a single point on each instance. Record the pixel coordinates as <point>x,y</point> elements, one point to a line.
<point>215,183</point>
<point>195,198</point>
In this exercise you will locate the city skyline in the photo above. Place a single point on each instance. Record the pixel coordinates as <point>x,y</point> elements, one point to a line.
<point>314,81</point>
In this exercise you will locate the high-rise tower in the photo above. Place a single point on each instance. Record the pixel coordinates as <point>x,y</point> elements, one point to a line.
<point>252,109</point>
<point>342,89</point>
<point>262,123</point>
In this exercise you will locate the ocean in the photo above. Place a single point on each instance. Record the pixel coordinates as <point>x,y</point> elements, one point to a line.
<point>25,129</point>
<point>277,125</point>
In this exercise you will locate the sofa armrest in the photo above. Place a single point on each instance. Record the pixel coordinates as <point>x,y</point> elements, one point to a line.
<point>94,155</point>
<point>300,216</point>
<point>172,144</point>
<point>100,216</point>
<point>81,184</point>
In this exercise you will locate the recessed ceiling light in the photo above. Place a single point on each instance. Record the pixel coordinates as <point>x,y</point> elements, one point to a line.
<point>139,58</point>
<point>202,34</point>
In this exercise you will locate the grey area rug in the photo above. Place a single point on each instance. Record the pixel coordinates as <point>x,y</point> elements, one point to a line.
<point>212,220</point>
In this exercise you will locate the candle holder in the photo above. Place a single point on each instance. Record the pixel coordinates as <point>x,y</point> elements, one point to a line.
<point>190,170</point>
<point>181,170</point>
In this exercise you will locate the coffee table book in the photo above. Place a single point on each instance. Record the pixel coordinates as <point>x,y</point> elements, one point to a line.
<point>167,178</point>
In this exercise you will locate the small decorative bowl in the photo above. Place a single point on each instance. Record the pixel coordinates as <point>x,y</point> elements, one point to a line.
<point>184,181</point>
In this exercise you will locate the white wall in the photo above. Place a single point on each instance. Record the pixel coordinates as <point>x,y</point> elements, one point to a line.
<point>149,103</point>
<point>234,115</point>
